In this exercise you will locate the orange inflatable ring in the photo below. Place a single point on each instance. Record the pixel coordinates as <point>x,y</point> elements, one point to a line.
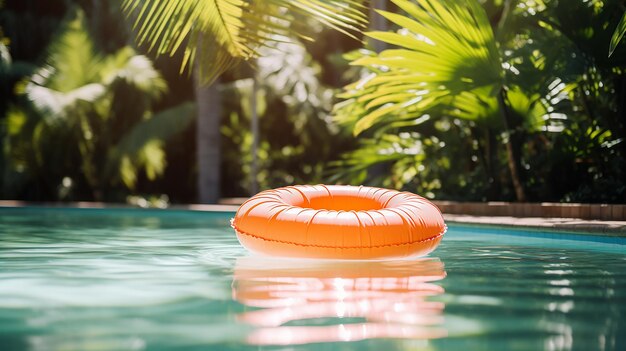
<point>344,222</point>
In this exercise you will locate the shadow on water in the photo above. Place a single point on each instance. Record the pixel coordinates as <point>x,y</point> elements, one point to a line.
<point>308,301</point>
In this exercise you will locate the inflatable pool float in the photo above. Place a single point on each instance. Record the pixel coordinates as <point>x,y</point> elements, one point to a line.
<point>339,222</point>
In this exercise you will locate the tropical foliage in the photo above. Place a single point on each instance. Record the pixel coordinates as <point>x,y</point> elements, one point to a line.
<point>454,71</point>
<point>618,34</point>
<point>512,84</point>
<point>295,152</point>
<point>473,100</point>
<point>218,33</point>
<point>293,105</point>
<point>215,35</point>
<point>87,121</point>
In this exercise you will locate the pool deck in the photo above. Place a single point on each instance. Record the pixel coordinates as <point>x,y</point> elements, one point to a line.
<point>576,225</point>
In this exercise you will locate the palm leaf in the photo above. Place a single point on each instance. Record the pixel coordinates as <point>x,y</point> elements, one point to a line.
<point>618,34</point>
<point>446,49</point>
<point>69,77</point>
<point>217,33</point>
<point>54,105</point>
<point>5,56</point>
<point>403,153</point>
<point>135,70</point>
<point>160,126</point>
<point>71,60</point>
<point>142,146</point>
<point>89,77</point>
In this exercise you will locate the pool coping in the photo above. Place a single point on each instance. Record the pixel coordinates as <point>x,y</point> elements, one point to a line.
<point>567,225</point>
<point>556,224</point>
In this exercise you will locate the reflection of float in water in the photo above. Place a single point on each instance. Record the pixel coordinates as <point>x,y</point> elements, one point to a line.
<point>387,298</point>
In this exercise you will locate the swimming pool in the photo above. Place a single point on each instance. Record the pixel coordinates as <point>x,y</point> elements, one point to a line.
<point>85,279</point>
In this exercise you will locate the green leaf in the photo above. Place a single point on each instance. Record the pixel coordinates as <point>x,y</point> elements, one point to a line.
<point>161,126</point>
<point>218,33</point>
<point>76,78</point>
<point>135,70</point>
<point>71,61</point>
<point>152,157</point>
<point>444,51</point>
<point>142,147</point>
<point>618,34</point>
<point>15,120</point>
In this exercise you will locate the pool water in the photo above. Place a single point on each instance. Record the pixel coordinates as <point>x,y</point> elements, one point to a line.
<point>77,279</point>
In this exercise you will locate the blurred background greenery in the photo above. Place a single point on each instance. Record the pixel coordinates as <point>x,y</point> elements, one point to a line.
<point>526,105</point>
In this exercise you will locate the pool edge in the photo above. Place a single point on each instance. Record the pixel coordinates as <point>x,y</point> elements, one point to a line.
<point>567,225</point>
<point>571,225</point>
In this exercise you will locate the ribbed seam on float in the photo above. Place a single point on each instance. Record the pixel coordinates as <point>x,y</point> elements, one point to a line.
<point>339,247</point>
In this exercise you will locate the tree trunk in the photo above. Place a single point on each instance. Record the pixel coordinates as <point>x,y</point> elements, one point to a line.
<point>520,194</point>
<point>208,139</point>
<point>495,185</point>
<point>254,126</point>
<point>486,160</point>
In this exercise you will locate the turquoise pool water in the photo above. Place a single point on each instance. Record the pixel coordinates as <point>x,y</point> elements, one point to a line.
<point>74,279</point>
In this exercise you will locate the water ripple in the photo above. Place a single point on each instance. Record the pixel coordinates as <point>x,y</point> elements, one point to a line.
<point>163,280</point>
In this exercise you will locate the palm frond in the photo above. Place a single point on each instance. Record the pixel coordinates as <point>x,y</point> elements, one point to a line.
<point>135,70</point>
<point>217,33</point>
<point>54,105</point>
<point>402,153</point>
<point>70,74</point>
<point>618,34</point>
<point>142,147</point>
<point>160,126</point>
<point>445,48</point>
<point>72,60</point>
<point>5,56</point>
<point>74,74</point>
